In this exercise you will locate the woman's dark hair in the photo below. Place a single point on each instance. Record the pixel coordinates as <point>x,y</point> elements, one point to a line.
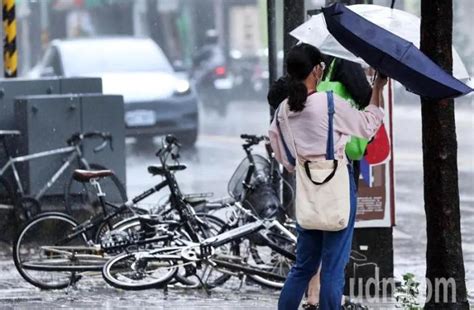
<point>299,63</point>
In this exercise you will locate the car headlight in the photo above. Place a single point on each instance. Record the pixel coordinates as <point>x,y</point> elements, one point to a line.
<point>182,87</point>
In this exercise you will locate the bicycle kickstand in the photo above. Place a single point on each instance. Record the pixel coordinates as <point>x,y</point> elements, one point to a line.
<point>72,282</point>
<point>203,285</point>
<point>243,278</point>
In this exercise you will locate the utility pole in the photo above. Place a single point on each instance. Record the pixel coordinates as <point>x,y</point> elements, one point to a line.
<point>444,257</point>
<point>10,53</point>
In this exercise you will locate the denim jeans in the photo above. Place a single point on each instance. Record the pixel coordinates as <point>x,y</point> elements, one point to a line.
<point>314,247</point>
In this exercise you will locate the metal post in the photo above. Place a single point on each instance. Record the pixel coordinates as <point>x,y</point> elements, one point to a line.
<point>272,45</point>
<point>10,53</point>
<point>219,21</point>
<point>272,74</point>
<point>293,15</point>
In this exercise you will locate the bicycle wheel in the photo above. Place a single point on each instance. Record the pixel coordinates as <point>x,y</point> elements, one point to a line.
<point>142,270</point>
<point>43,267</point>
<point>207,226</point>
<point>142,233</point>
<point>8,221</point>
<point>264,257</point>
<point>83,195</point>
<point>118,219</point>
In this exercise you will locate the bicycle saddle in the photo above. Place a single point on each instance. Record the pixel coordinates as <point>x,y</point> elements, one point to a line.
<point>159,170</point>
<point>86,175</point>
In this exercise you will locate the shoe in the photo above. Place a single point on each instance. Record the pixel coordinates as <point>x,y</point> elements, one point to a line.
<point>307,306</point>
<point>349,305</point>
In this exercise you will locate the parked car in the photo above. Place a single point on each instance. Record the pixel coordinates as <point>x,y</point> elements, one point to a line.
<point>158,100</point>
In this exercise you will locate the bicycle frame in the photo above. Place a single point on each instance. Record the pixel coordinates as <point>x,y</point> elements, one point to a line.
<point>204,251</point>
<point>250,228</point>
<point>75,152</point>
<point>105,217</point>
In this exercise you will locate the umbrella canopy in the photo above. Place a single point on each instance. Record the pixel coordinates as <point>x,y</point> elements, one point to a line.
<point>391,55</point>
<point>315,32</point>
<point>401,23</point>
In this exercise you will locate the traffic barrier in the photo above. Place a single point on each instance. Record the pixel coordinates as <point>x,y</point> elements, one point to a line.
<point>10,53</point>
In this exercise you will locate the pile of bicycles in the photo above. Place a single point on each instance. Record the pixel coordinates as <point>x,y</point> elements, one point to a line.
<point>182,241</point>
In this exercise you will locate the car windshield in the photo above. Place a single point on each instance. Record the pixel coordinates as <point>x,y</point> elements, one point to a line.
<point>85,57</point>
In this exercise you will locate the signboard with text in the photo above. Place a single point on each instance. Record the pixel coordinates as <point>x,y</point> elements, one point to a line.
<point>375,204</point>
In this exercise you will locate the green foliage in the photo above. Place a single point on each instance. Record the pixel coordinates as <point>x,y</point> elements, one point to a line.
<point>407,294</point>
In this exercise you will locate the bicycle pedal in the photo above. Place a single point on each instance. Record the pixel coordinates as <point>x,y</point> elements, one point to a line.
<point>190,270</point>
<point>205,251</point>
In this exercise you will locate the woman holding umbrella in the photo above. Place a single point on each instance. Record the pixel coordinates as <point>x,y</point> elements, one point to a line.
<point>353,79</point>
<point>308,121</point>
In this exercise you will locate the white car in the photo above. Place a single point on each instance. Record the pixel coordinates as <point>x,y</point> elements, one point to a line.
<point>158,100</point>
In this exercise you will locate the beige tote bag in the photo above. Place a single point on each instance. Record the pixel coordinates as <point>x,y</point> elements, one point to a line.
<point>322,187</point>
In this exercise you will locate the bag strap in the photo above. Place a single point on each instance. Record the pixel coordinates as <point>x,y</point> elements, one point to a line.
<point>330,140</point>
<point>291,159</point>
<point>285,118</point>
<point>327,179</point>
<point>329,143</point>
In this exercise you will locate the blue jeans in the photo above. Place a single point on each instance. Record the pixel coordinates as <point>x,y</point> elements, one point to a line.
<point>316,246</point>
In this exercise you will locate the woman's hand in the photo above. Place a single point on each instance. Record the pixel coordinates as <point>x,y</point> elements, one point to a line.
<point>380,81</point>
<point>377,89</point>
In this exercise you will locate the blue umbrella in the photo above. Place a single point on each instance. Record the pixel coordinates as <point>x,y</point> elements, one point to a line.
<point>391,55</point>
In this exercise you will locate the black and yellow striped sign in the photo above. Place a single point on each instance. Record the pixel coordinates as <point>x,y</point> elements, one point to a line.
<point>10,53</point>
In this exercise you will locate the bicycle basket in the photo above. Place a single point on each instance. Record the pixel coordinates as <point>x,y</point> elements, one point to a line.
<point>262,170</point>
<point>262,199</point>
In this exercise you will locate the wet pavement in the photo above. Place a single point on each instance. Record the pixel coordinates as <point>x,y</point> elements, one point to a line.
<point>211,164</point>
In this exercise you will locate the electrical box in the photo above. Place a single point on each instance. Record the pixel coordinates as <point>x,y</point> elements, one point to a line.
<point>46,122</point>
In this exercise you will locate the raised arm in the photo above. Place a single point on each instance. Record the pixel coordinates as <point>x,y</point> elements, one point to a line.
<point>364,124</point>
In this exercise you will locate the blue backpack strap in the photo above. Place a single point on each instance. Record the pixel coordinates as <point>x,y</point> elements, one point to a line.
<point>289,156</point>
<point>330,141</point>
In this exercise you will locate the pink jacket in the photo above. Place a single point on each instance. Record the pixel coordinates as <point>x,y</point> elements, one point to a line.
<point>310,128</point>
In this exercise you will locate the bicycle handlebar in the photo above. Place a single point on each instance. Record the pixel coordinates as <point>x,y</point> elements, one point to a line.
<point>170,142</point>
<point>253,139</point>
<point>77,138</point>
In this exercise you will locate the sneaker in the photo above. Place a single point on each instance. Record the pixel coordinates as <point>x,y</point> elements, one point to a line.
<point>307,306</point>
<point>349,305</point>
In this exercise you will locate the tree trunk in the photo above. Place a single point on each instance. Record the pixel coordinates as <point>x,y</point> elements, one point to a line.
<point>444,258</point>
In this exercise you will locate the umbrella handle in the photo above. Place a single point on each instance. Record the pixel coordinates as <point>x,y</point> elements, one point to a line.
<point>383,76</point>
